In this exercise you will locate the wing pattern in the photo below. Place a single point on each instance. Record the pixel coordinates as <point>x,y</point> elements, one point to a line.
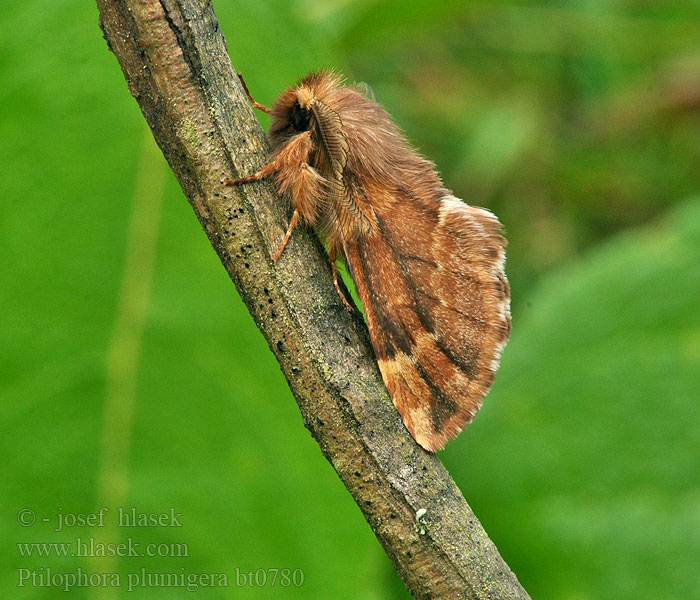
<point>431,280</point>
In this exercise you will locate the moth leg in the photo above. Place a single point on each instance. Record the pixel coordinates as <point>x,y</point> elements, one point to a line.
<point>255,104</point>
<point>266,170</point>
<point>292,170</point>
<point>332,255</point>
<point>295,150</point>
<point>292,224</point>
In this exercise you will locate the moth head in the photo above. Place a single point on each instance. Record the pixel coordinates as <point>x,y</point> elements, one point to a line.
<point>295,111</point>
<point>309,109</point>
<point>300,117</point>
<point>290,117</point>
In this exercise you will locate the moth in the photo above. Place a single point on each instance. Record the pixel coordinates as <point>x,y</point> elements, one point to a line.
<point>428,268</point>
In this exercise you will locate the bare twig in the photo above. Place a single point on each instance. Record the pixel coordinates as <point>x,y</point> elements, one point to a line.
<point>175,62</point>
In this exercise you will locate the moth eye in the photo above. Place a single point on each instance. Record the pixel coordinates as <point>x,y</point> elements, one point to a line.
<point>300,118</point>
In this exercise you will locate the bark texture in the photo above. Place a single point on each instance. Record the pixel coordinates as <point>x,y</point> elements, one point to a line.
<point>175,62</point>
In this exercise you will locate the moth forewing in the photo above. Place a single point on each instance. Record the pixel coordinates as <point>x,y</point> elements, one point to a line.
<point>428,268</point>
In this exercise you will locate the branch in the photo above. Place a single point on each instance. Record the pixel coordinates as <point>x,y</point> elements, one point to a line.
<point>174,58</point>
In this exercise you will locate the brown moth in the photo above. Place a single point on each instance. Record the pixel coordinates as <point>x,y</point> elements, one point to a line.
<point>427,267</point>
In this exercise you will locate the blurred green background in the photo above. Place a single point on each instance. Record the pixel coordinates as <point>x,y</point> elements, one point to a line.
<point>131,374</point>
